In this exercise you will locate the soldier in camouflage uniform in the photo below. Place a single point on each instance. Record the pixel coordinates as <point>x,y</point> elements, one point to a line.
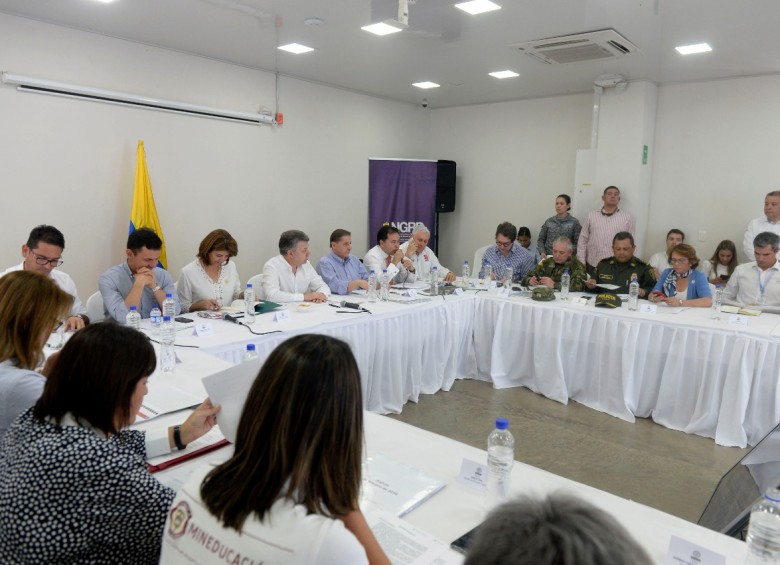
<point>618,269</point>
<point>549,271</point>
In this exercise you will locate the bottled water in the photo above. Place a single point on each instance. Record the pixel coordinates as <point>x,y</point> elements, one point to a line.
<point>565,282</point>
<point>508,279</point>
<point>156,317</point>
<point>249,304</point>
<point>466,272</point>
<point>372,286</point>
<point>385,286</point>
<point>250,352</point>
<point>717,300</point>
<point>169,306</point>
<point>633,293</point>
<point>435,280</point>
<point>133,318</point>
<point>167,345</point>
<point>500,459</point>
<point>763,538</point>
<point>488,271</point>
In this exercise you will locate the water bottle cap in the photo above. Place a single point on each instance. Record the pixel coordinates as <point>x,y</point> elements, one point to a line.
<point>465,262</point>
<point>250,346</point>
<point>373,272</point>
<point>168,295</point>
<point>434,268</point>
<point>133,308</point>
<point>249,285</point>
<point>384,271</point>
<point>566,271</point>
<point>772,494</point>
<point>502,423</point>
<point>166,318</point>
<point>717,287</point>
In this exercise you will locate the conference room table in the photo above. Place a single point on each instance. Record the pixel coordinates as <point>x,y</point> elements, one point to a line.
<point>457,508</point>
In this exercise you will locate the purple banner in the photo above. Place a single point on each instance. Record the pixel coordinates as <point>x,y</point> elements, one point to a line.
<point>401,193</point>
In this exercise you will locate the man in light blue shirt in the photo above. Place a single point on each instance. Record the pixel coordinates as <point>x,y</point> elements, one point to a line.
<point>138,281</point>
<point>341,271</point>
<point>507,254</point>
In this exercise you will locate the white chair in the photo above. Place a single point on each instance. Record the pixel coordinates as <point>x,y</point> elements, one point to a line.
<point>477,265</point>
<point>257,283</point>
<point>95,308</point>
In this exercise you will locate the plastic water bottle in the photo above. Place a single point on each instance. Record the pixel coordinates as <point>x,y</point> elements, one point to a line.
<point>633,293</point>
<point>167,345</point>
<point>763,538</point>
<point>717,300</point>
<point>133,318</point>
<point>500,459</point>
<point>249,304</point>
<point>488,268</point>
<point>169,306</point>
<point>372,286</point>
<point>156,317</point>
<point>466,272</point>
<point>510,272</point>
<point>384,286</point>
<point>435,280</point>
<point>565,282</point>
<point>250,353</point>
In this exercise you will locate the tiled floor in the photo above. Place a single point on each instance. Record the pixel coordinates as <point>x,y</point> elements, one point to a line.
<point>666,469</point>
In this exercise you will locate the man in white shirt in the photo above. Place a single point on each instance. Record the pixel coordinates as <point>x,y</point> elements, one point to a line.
<point>600,227</point>
<point>660,261</point>
<point>387,252</point>
<point>757,282</point>
<point>422,257</point>
<point>769,223</point>
<point>43,253</point>
<point>289,277</point>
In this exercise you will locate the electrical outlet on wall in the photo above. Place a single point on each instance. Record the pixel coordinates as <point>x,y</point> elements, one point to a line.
<point>702,235</point>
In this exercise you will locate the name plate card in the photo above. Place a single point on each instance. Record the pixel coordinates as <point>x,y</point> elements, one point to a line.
<point>281,315</point>
<point>492,284</point>
<point>204,329</point>
<point>647,308</point>
<point>504,292</point>
<point>458,291</point>
<point>684,552</point>
<point>738,320</point>
<point>473,475</point>
<point>410,292</point>
<point>580,301</point>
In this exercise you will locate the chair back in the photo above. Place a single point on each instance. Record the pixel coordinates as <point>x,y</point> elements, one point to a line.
<point>95,309</point>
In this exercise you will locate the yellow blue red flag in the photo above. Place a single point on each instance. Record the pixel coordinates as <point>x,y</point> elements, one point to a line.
<point>144,212</point>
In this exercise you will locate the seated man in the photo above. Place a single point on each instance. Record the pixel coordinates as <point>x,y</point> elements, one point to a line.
<point>289,277</point>
<point>618,269</point>
<point>43,253</point>
<point>422,257</point>
<point>341,271</point>
<point>549,271</point>
<point>557,530</point>
<point>507,254</point>
<point>757,282</point>
<point>138,281</point>
<point>387,251</point>
<point>660,261</point>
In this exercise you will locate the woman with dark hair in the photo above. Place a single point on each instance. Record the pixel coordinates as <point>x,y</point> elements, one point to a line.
<point>561,224</point>
<point>289,494</point>
<point>524,239</point>
<point>682,285</point>
<point>211,280</point>
<point>75,487</point>
<point>722,264</point>
<point>31,306</point>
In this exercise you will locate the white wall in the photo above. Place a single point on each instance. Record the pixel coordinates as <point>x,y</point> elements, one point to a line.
<point>513,159</point>
<point>71,163</point>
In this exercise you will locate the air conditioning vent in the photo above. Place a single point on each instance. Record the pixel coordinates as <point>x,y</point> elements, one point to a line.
<point>591,46</point>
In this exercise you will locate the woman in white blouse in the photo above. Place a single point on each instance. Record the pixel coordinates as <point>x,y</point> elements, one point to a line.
<point>211,280</point>
<point>723,262</point>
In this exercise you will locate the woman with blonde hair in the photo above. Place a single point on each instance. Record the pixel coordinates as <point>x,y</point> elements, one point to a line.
<point>211,280</point>
<point>289,494</point>
<point>31,307</point>
<point>722,264</point>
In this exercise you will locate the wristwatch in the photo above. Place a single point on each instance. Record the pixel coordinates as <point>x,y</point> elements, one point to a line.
<point>156,288</point>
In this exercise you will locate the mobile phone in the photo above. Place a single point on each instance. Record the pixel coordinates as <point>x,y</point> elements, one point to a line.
<point>461,545</point>
<point>724,278</point>
<point>183,320</point>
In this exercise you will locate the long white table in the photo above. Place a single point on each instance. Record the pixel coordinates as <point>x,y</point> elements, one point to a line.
<point>456,509</point>
<point>684,370</point>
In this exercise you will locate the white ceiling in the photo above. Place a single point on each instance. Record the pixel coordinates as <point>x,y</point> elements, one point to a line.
<point>443,44</point>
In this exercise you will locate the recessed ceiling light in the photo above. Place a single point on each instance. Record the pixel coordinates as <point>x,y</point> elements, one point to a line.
<point>104,1</point>
<point>478,6</point>
<point>314,22</point>
<point>504,74</point>
<point>426,84</point>
<point>691,49</point>
<point>381,29</point>
<point>296,48</point>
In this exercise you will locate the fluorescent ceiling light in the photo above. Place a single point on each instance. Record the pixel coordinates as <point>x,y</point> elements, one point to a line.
<point>426,84</point>
<point>478,6</point>
<point>382,29</point>
<point>104,1</point>
<point>296,48</point>
<point>504,74</point>
<point>691,49</point>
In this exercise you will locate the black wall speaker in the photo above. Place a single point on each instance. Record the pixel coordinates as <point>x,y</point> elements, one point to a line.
<point>445,186</point>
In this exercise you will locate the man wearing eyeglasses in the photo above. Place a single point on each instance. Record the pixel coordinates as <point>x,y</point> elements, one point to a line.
<point>507,254</point>
<point>43,253</point>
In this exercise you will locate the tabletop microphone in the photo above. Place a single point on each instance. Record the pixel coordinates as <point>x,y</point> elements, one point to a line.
<point>353,305</point>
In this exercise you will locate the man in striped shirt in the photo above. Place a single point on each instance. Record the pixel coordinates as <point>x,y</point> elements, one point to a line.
<point>600,227</point>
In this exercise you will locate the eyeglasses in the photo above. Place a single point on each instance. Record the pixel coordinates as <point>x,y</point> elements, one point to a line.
<point>678,260</point>
<point>41,260</point>
<point>504,244</point>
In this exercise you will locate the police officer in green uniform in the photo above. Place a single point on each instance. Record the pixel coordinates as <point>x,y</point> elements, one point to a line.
<point>548,272</point>
<point>618,269</point>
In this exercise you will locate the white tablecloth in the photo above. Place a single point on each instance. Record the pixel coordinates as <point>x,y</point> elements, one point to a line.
<point>684,370</point>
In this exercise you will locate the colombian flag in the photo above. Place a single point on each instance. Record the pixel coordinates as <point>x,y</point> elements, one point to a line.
<point>144,212</point>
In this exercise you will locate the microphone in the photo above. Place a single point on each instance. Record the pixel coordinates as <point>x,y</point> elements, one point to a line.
<point>234,318</point>
<point>353,305</point>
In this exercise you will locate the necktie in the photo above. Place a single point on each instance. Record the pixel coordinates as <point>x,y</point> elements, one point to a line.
<point>387,261</point>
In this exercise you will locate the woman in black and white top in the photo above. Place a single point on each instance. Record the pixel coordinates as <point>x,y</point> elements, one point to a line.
<point>74,484</point>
